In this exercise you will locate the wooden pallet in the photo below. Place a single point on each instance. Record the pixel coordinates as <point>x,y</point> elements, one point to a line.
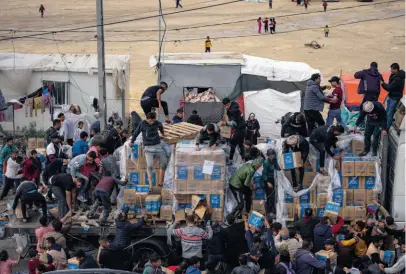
<point>176,132</point>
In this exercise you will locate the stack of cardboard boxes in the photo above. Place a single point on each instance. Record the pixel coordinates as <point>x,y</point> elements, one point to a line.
<point>358,181</point>
<point>36,143</point>
<point>199,180</point>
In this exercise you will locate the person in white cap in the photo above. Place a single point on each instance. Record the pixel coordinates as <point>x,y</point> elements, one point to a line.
<point>375,125</point>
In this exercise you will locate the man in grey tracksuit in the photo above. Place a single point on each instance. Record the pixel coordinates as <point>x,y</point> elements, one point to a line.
<point>191,237</point>
<point>314,102</point>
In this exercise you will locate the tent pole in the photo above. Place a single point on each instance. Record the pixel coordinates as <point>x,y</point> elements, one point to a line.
<point>14,124</point>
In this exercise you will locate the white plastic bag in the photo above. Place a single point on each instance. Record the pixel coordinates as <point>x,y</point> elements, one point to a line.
<point>21,242</point>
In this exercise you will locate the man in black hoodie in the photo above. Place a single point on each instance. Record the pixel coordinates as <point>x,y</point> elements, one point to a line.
<point>376,124</point>
<point>85,261</point>
<point>306,225</point>
<point>195,119</point>
<point>216,246</point>
<point>293,124</point>
<point>395,89</point>
<point>152,145</point>
<point>236,120</point>
<point>369,83</point>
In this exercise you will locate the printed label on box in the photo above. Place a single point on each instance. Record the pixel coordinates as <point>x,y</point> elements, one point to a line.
<point>369,182</point>
<point>320,212</point>
<point>134,178</point>
<point>305,198</point>
<point>134,151</point>
<point>153,206</point>
<point>257,180</point>
<point>338,197</point>
<point>259,194</point>
<point>288,199</point>
<point>197,173</point>
<point>182,172</point>
<point>256,219</point>
<point>215,200</point>
<point>332,207</point>
<point>142,188</point>
<point>153,178</point>
<point>216,174</point>
<point>353,182</point>
<point>288,160</point>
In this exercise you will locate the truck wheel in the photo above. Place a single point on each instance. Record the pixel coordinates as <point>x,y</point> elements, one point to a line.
<point>145,249</point>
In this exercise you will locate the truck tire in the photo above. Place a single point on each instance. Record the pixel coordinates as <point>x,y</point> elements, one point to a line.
<point>146,248</point>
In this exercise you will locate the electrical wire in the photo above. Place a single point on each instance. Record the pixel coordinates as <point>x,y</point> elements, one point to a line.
<point>122,21</point>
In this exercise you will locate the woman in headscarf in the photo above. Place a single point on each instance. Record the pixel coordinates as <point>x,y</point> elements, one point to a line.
<point>297,143</point>
<point>115,119</point>
<point>252,129</point>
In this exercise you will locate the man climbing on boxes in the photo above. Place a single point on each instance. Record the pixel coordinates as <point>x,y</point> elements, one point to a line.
<point>297,143</point>
<point>241,187</point>
<point>211,133</point>
<point>151,142</point>
<point>323,138</point>
<point>293,124</point>
<point>236,120</point>
<point>375,125</point>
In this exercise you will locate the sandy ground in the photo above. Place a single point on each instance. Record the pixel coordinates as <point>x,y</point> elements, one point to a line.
<point>359,32</point>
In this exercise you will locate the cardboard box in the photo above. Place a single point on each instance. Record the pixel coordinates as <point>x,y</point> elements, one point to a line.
<point>307,198</point>
<point>193,187</point>
<point>291,160</point>
<point>339,197</point>
<point>359,197</point>
<point>167,196</point>
<point>387,257</point>
<point>357,146</point>
<point>308,178</point>
<point>217,174</point>
<point>205,187</point>
<point>331,210</point>
<point>347,213</point>
<point>258,206</point>
<point>369,182</point>
<point>258,194</point>
<point>291,209</point>
<point>323,184</point>
<point>183,198</point>
<point>225,132</point>
<point>256,219</point>
<point>73,263</point>
<point>134,178</point>
<point>349,197</point>
<point>217,215</point>
<point>216,201</point>
<point>347,166</point>
<point>370,195</point>
<point>359,213</point>
<point>153,204</point>
<point>180,186</point>
<point>217,187</point>
<point>288,199</point>
<point>360,167</point>
<point>182,173</point>
<point>165,212</point>
<point>323,255</point>
<point>322,200</point>
<point>40,143</point>
<point>353,182</point>
<point>130,194</point>
<point>180,215</point>
<point>31,143</point>
<point>200,211</point>
<point>371,170</point>
<point>195,201</point>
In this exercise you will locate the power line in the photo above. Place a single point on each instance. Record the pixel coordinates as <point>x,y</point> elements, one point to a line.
<point>122,21</point>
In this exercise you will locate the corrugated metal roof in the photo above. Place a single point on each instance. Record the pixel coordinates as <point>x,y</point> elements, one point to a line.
<point>61,62</point>
<point>213,58</point>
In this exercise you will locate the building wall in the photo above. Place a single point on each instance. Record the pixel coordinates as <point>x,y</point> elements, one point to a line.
<point>88,85</point>
<point>221,78</point>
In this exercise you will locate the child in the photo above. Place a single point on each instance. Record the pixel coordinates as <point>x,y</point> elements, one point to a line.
<point>33,262</point>
<point>259,21</point>
<point>272,25</point>
<point>266,24</point>
<point>325,5</point>
<point>268,176</point>
<point>76,135</point>
<point>80,146</point>
<point>326,31</point>
<point>178,118</point>
<point>6,265</point>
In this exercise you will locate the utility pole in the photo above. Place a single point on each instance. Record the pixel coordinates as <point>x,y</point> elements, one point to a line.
<point>101,64</point>
<point>159,39</point>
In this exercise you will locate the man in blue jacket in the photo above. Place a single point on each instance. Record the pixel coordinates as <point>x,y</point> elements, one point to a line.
<point>305,260</point>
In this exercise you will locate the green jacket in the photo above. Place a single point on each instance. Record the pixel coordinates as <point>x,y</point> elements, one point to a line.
<point>269,168</point>
<point>6,151</point>
<point>242,177</point>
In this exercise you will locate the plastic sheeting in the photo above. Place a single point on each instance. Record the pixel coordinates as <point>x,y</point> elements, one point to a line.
<point>270,105</point>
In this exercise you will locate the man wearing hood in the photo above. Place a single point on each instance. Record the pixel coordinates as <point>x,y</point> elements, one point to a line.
<point>241,187</point>
<point>375,114</point>
<point>314,102</point>
<point>236,120</point>
<point>297,143</point>
<point>85,261</point>
<point>306,225</point>
<point>294,124</point>
<point>369,83</point>
<point>395,89</point>
<point>211,133</point>
<point>153,266</point>
<point>152,145</point>
<point>305,260</point>
<point>195,119</point>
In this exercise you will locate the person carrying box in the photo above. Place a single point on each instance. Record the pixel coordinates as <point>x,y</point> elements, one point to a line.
<point>152,145</point>
<point>297,143</point>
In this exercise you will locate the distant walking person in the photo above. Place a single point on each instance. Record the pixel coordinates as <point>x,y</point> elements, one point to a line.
<point>325,5</point>
<point>306,3</point>
<point>326,31</point>
<point>266,24</point>
<point>259,24</point>
<point>178,4</point>
<point>272,25</point>
<point>41,10</point>
<point>270,4</point>
<point>207,44</point>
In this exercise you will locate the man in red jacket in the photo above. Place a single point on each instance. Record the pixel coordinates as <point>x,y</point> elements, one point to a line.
<point>335,108</point>
<point>32,167</point>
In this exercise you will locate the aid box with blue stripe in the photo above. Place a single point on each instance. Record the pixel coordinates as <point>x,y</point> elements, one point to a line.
<point>198,174</point>
<point>369,182</point>
<point>217,173</point>
<point>182,172</point>
<point>153,178</point>
<point>338,197</point>
<point>256,219</point>
<point>216,200</point>
<point>135,178</point>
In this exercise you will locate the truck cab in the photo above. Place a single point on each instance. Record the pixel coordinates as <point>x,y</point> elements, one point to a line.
<point>393,167</point>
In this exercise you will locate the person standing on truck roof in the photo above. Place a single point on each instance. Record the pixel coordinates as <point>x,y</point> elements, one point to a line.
<point>125,229</point>
<point>211,133</point>
<point>323,138</point>
<point>27,193</point>
<point>297,143</point>
<point>152,145</point>
<point>64,186</point>
<point>369,84</point>
<point>235,119</point>
<point>241,187</point>
<point>375,125</point>
<point>191,237</point>
<point>293,124</point>
<point>152,99</point>
<point>395,88</point>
